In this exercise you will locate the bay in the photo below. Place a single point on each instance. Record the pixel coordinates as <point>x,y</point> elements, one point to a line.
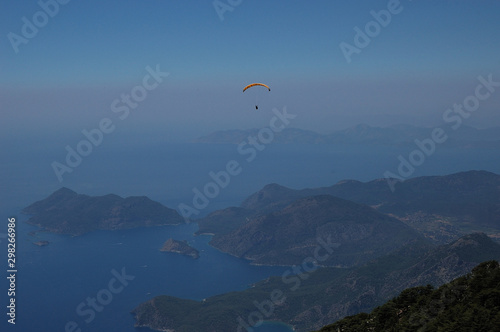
<point>56,284</point>
<point>55,280</point>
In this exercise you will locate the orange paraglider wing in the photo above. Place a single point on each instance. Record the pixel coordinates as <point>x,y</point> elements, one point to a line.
<point>255,84</point>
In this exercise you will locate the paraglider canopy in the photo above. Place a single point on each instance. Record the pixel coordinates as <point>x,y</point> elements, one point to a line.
<point>256,84</point>
<point>256,95</point>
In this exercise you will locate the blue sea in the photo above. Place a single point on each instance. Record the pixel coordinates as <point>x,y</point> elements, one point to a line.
<point>55,284</point>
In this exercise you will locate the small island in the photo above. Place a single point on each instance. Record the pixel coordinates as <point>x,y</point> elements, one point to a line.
<point>180,247</point>
<point>41,243</point>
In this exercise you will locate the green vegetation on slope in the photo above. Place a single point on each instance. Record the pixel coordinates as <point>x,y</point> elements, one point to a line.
<point>468,303</point>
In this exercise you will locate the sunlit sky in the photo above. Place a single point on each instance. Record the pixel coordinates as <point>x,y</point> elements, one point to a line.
<point>65,76</point>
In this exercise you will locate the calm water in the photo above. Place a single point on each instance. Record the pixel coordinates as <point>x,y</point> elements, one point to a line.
<point>52,281</point>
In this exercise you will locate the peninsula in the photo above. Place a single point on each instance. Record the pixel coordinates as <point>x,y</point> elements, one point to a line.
<point>66,212</point>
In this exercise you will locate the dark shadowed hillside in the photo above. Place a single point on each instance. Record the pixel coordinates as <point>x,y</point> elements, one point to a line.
<point>285,237</point>
<point>224,221</point>
<point>468,303</point>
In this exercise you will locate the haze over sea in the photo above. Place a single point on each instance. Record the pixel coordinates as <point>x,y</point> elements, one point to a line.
<point>158,73</point>
<point>54,280</point>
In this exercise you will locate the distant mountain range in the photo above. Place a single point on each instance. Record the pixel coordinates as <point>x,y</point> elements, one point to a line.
<point>396,135</point>
<point>67,212</point>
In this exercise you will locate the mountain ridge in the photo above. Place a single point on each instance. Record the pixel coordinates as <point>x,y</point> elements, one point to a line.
<point>286,236</point>
<point>67,212</point>
<point>401,135</point>
<point>442,207</point>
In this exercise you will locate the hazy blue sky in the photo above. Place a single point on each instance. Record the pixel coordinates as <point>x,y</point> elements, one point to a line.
<point>65,76</point>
